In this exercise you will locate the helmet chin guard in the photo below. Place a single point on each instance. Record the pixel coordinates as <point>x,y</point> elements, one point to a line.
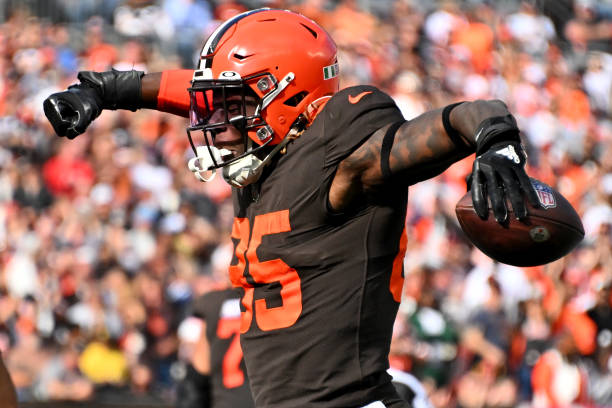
<point>203,164</point>
<point>238,172</point>
<point>243,172</point>
<point>210,95</point>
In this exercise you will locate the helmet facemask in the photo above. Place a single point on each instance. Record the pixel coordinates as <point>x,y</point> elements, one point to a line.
<point>232,96</point>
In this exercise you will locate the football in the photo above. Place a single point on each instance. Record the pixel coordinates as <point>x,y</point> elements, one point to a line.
<point>547,234</point>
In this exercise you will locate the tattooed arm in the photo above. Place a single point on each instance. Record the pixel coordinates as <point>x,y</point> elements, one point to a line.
<point>422,149</point>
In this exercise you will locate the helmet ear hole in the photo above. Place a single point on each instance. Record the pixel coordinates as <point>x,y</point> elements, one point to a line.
<point>296,99</point>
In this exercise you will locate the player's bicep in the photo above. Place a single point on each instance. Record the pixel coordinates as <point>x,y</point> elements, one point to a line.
<point>201,353</point>
<point>356,172</point>
<point>415,145</point>
<point>421,149</point>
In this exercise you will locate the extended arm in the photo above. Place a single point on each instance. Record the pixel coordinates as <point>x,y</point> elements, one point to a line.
<point>422,148</point>
<point>72,111</point>
<point>193,390</point>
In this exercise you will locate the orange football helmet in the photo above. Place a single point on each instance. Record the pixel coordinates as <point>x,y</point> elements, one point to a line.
<point>283,59</point>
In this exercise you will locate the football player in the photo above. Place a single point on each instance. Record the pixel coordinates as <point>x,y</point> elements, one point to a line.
<point>216,376</point>
<point>320,181</point>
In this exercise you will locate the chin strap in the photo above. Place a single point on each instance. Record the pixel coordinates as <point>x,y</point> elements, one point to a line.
<point>247,170</point>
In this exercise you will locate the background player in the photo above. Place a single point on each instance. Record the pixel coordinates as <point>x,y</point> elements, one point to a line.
<point>321,181</point>
<point>216,376</point>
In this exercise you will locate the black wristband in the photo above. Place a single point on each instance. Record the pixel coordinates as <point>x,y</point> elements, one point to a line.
<point>452,133</point>
<point>494,130</point>
<point>117,89</point>
<point>385,149</point>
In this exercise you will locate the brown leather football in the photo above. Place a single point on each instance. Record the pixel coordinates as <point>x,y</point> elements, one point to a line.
<point>547,234</point>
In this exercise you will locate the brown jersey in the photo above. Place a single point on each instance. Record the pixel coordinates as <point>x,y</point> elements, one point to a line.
<point>320,290</point>
<point>229,383</point>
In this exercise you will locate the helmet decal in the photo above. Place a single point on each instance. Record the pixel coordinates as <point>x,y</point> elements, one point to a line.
<point>229,75</point>
<point>211,44</point>
<point>330,71</point>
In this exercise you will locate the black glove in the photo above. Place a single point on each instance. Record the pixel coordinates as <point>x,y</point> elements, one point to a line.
<point>71,111</point>
<point>499,170</point>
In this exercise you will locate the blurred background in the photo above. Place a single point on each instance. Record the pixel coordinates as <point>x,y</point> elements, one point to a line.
<point>105,241</point>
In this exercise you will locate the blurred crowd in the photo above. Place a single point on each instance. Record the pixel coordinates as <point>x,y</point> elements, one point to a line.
<point>107,239</point>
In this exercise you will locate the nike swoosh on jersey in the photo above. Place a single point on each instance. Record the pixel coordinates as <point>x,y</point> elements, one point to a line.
<point>354,99</point>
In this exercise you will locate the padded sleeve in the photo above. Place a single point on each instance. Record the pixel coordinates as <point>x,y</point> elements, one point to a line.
<point>173,96</point>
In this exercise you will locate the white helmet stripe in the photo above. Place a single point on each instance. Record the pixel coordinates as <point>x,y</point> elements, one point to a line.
<point>213,40</point>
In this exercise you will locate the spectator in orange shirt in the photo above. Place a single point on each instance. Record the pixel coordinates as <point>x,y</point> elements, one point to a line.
<point>574,106</point>
<point>98,53</point>
<point>477,39</point>
<point>315,10</point>
<point>557,378</point>
<point>349,25</point>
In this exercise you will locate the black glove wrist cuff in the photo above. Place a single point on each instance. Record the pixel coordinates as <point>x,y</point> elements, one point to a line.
<point>494,130</point>
<point>117,89</point>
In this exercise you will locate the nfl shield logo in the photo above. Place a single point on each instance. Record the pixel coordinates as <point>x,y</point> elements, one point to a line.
<point>545,194</point>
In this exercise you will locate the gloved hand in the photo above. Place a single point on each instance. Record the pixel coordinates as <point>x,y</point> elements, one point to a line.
<point>499,171</point>
<point>71,111</point>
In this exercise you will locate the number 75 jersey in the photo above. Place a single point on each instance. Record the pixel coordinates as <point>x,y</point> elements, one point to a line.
<point>229,384</point>
<point>320,290</point>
